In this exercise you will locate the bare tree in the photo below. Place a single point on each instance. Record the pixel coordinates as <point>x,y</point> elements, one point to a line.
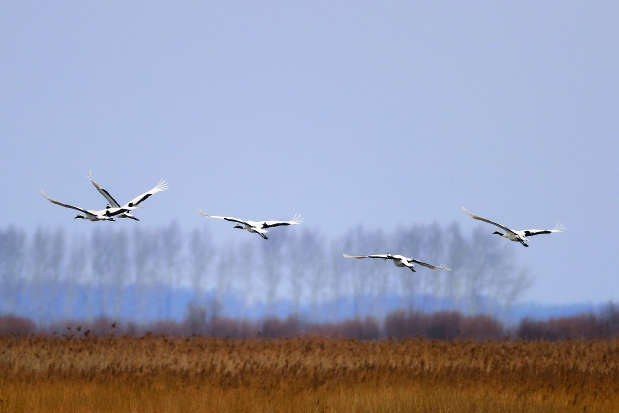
<point>458,255</point>
<point>272,252</point>
<point>171,244</point>
<point>312,244</point>
<point>110,264</point>
<point>244,273</point>
<point>492,280</point>
<point>146,263</point>
<point>201,255</point>
<point>305,264</point>
<point>76,274</point>
<point>120,272</point>
<point>336,280</point>
<point>225,273</point>
<point>12,257</point>
<point>297,270</point>
<point>56,269</point>
<point>46,259</point>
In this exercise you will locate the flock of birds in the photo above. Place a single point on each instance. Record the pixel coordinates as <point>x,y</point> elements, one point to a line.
<point>114,210</point>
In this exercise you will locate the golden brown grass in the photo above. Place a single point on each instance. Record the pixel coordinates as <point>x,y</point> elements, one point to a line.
<point>153,374</point>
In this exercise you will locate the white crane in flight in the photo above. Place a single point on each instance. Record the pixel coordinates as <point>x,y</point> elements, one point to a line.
<point>517,235</point>
<point>134,203</point>
<point>400,261</point>
<point>257,227</point>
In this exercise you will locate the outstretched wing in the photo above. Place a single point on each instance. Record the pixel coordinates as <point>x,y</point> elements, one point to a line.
<point>383,256</point>
<point>557,228</point>
<point>489,221</point>
<point>295,220</point>
<point>53,201</point>
<point>358,257</point>
<point>103,192</point>
<point>161,186</point>
<point>240,221</point>
<point>434,267</point>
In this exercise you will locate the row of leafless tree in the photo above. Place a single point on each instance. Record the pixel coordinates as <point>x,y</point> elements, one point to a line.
<point>116,272</point>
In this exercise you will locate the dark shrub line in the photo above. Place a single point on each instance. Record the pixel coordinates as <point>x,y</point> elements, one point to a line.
<point>444,325</point>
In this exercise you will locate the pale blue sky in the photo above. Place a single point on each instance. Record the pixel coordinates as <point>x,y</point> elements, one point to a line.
<point>380,113</point>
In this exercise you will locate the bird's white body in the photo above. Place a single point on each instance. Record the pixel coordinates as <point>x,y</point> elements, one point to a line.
<point>256,227</point>
<point>107,214</point>
<point>400,261</point>
<point>134,203</point>
<point>517,235</point>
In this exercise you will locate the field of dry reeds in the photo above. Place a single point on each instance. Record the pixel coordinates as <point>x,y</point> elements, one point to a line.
<point>200,374</point>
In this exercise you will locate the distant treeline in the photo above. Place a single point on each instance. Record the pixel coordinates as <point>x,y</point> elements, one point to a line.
<point>133,272</point>
<point>443,325</point>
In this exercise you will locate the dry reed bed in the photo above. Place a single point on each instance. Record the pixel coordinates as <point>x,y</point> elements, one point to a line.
<point>211,359</point>
<point>575,374</point>
<point>158,373</point>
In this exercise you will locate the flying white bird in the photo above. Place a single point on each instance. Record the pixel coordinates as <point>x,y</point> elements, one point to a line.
<point>400,261</point>
<point>518,235</point>
<point>258,227</point>
<point>107,214</point>
<point>134,203</point>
